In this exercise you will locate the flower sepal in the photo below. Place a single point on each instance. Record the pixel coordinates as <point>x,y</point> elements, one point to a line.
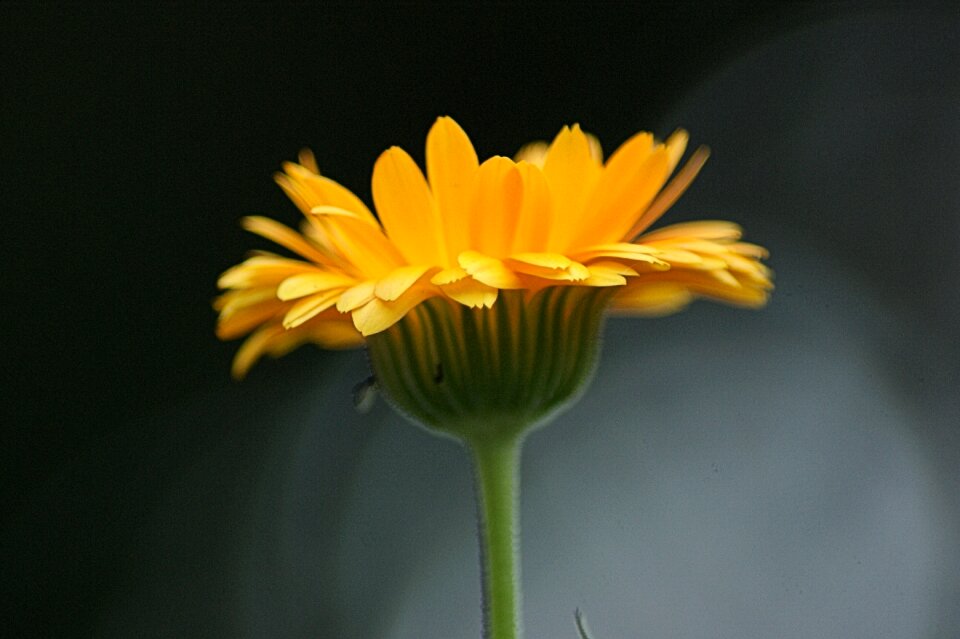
<point>491,373</point>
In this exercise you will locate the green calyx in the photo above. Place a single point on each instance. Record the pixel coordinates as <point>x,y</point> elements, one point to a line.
<point>491,372</point>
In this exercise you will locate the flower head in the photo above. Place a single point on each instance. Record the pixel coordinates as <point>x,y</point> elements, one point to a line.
<point>479,289</point>
<point>469,233</point>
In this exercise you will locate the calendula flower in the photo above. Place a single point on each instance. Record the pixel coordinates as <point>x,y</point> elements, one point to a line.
<point>481,286</point>
<point>470,233</point>
<point>479,289</point>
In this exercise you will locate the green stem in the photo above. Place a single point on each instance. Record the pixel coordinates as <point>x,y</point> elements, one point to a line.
<point>497,462</point>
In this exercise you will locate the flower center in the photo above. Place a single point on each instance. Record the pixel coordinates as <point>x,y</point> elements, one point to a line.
<point>491,372</point>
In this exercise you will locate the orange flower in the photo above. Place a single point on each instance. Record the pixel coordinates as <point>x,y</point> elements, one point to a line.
<point>469,232</point>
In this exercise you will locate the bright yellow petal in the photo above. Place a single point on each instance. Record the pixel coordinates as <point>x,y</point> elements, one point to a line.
<point>726,278</point>
<point>747,268</point>
<point>709,284</point>
<point>749,250</point>
<point>616,190</point>
<point>631,179</point>
<point>243,320</point>
<point>262,270</point>
<point>310,307</point>
<point>335,334</point>
<point>253,349</point>
<point>396,283</point>
<point>651,300</point>
<point>272,339</point>
<point>284,236</point>
<point>356,296</point>
<point>305,284</point>
<point>623,251</point>
<point>552,266</point>
<point>534,153</point>
<point>232,301</point>
<point>596,150</point>
<point>572,174</point>
<point>604,276</point>
<point>451,167</point>
<point>489,270</point>
<point>449,275</point>
<point>378,315</point>
<point>613,267</point>
<point>671,193</point>
<point>536,215</point>
<point>703,229</point>
<point>406,208</point>
<point>697,245</point>
<point>496,201</point>
<point>316,190</point>
<point>470,292</point>
<point>357,242</point>
<point>676,144</point>
<point>678,259</point>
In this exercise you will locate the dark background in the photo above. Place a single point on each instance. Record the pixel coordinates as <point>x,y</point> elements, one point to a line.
<point>134,139</point>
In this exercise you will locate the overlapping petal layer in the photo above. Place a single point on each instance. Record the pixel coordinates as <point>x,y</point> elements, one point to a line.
<point>556,216</point>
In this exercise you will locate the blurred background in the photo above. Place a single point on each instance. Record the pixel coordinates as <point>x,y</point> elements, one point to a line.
<point>792,472</point>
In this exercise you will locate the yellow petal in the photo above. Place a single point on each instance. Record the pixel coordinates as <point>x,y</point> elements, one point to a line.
<point>310,307</point>
<point>356,296</point>
<point>335,334</point>
<point>631,179</point>
<point>553,266</point>
<point>613,267</point>
<point>318,235</point>
<point>750,269</point>
<point>671,193</point>
<point>357,242</point>
<point>651,300</point>
<point>309,283</point>
<point>451,167</point>
<point>708,284</point>
<point>406,208</point>
<point>496,201</point>
<point>676,144</point>
<point>749,250</point>
<point>253,349</point>
<point>448,276</point>
<point>243,320</point>
<point>536,215</point>
<point>396,283</point>
<point>308,161</point>
<point>544,260</point>
<point>316,190</point>
<point>294,191</point>
<point>470,292</point>
<point>232,301</point>
<point>623,251</point>
<point>698,245</point>
<point>603,276</point>
<point>725,277</point>
<point>596,150</point>
<point>284,236</point>
<point>703,229</point>
<point>272,339</point>
<point>262,270</point>
<point>680,255</point>
<point>534,153</point>
<point>378,315</point>
<point>488,270</point>
<point>572,174</point>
